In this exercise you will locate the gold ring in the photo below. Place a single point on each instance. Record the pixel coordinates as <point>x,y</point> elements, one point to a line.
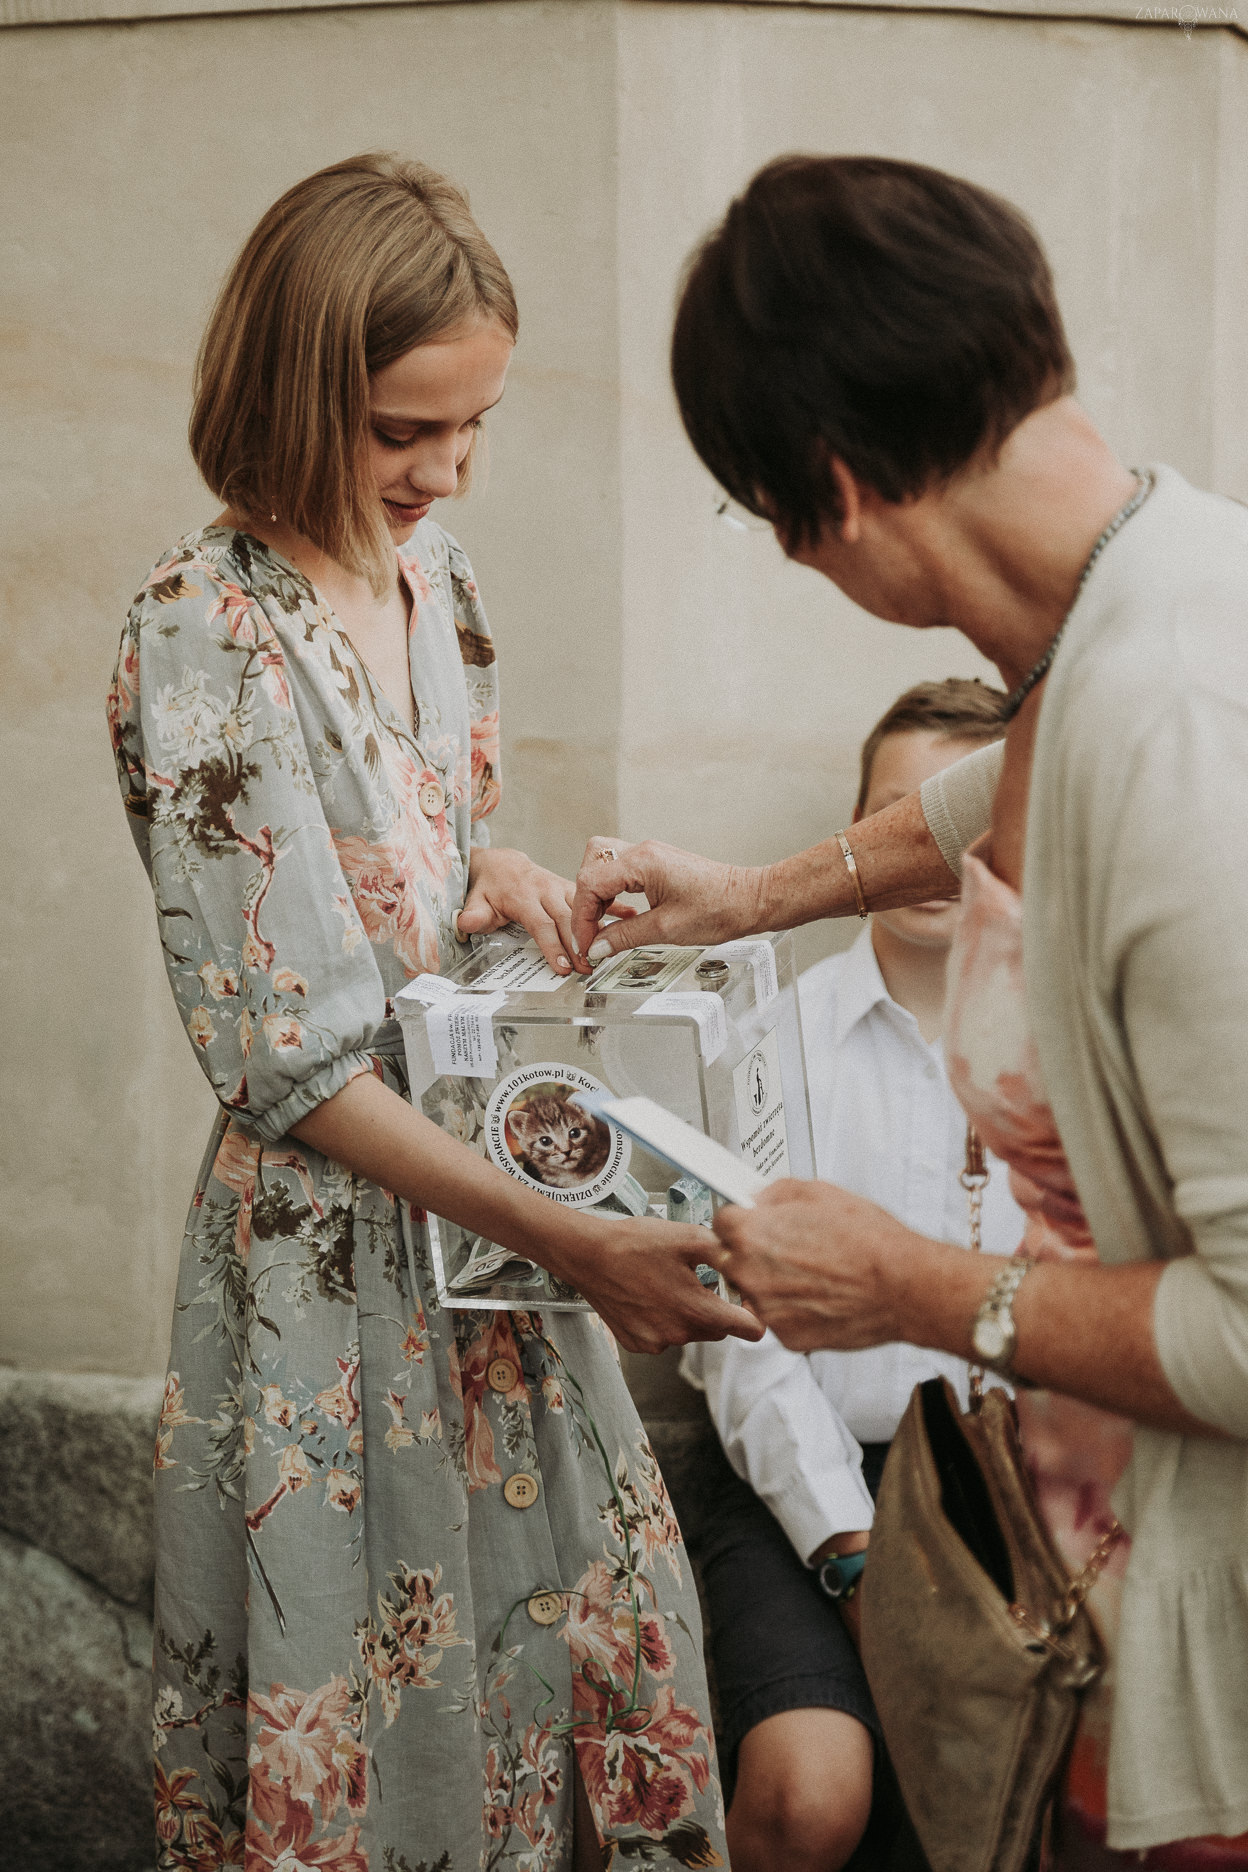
<point>609,853</point>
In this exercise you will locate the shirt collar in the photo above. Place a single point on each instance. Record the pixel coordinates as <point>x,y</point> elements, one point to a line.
<point>859,987</point>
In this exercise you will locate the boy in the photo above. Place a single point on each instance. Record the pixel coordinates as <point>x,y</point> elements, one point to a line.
<point>806,1434</point>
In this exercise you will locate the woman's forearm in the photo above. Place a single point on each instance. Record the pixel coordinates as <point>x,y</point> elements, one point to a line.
<point>638,1273</point>
<point>899,862</point>
<point>826,1269</point>
<point>696,900</point>
<point>371,1131</point>
<point>1083,1329</point>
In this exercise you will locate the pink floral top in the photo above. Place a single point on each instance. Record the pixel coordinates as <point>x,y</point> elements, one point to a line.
<point>1076,1453</point>
<point>993,1064</point>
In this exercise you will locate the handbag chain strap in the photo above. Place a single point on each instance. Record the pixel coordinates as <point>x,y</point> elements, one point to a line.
<point>974,1180</point>
<point>1091,1570</point>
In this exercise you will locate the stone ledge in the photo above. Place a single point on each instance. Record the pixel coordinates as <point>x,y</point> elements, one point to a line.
<point>85,12</point>
<point>75,1721</point>
<point>76,1473</point>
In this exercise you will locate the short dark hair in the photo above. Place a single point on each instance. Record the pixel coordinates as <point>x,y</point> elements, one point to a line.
<point>960,708</point>
<point>897,317</point>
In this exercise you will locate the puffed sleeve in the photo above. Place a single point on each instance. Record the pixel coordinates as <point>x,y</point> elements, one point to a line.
<point>1179,891</point>
<point>273,975</point>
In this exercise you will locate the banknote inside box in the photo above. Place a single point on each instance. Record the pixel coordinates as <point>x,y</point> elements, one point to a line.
<point>514,1059</point>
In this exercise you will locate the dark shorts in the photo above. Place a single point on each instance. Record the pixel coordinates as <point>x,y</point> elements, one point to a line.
<point>776,1640</point>
<point>778,1643</point>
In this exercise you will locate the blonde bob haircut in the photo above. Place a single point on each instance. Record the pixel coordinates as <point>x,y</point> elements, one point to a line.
<point>348,271</point>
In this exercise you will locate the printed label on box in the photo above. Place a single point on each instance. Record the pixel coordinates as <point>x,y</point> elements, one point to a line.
<point>641,971</point>
<point>537,1130</point>
<point>706,1008</point>
<point>427,989</point>
<point>761,958</point>
<point>461,1035</point>
<point>760,1109</point>
<point>524,972</point>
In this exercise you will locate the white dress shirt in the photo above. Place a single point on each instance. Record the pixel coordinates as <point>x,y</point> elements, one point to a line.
<point>887,1126</point>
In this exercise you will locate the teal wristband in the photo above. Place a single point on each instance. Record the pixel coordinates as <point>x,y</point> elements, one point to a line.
<point>839,1574</point>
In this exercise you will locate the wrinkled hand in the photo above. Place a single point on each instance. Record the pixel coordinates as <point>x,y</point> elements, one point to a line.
<point>817,1264</point>
<point>507,887</point>
<point>639,1276</point>
<point>691,899</point>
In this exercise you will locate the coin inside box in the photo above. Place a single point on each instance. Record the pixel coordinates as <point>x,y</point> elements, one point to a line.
<point>511,1057</point>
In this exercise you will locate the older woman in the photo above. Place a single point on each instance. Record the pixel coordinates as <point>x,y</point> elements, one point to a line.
<point>869,354</point>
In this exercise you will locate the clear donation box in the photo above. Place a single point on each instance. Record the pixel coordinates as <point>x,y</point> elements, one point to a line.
<point>512,1058</point>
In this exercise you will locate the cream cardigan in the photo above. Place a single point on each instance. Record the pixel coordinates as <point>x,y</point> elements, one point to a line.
<point>1135,933</point>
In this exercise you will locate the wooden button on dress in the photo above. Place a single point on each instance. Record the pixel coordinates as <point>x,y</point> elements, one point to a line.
<point>431,799</point>
<point>520,1491</point>
<point>502,1375</point>
<point>545,1607</point>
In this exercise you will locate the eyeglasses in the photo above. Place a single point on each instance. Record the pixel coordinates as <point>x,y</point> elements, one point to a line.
<point>739,519</point>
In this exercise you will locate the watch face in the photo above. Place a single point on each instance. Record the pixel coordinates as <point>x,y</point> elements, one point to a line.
<point>830,1578</point>
<point>990,1337</point>
<point>839,1575</point>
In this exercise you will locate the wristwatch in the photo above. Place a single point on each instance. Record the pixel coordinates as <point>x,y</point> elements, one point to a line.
<point>839,1574</point>
<point>994,1336</point>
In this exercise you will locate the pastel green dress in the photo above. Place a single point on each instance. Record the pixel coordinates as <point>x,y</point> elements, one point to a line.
<point>407,1559</point>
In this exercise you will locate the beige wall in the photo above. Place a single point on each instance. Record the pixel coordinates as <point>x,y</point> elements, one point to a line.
<point>661,673</point>
<point>1129,149</point>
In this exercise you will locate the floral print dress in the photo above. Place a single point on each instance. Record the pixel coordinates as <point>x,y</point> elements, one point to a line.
<point>408,1560</point>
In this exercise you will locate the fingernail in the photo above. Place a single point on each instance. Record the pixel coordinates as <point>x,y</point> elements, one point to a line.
<point>562,963</point>
<point>598,951</point>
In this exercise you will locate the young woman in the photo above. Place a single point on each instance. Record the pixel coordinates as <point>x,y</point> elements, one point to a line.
<point>411,1564</point>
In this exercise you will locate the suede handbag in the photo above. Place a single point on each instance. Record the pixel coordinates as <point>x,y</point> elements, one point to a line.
<point>975,1639</point>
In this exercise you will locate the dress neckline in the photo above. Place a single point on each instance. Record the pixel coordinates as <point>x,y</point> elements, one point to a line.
<point>383,707</point>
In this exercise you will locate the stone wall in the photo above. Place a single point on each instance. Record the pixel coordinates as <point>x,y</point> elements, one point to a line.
<point>661,675</point>
<point>75,1621</point>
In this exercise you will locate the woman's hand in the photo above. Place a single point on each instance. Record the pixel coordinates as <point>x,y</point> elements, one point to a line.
<point>507,887</point>
<point>824,1268</point>
<point>818,1265</point>
<point>691,899</point>
<point>638,1274</point>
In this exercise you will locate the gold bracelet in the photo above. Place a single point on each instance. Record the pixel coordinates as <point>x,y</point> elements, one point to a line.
<point>851,866</point>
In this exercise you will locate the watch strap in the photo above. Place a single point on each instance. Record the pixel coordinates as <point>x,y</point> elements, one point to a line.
<point>998,1304</point>
<point>839,1574</point>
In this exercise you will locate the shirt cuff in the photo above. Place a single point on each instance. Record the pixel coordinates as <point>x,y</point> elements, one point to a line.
<point>810,1511</point>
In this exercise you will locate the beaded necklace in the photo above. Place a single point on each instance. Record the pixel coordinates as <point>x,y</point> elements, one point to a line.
<point>1041,669</point>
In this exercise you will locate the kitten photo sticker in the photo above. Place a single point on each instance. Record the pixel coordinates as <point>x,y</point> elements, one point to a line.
<point>538,1132</point>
